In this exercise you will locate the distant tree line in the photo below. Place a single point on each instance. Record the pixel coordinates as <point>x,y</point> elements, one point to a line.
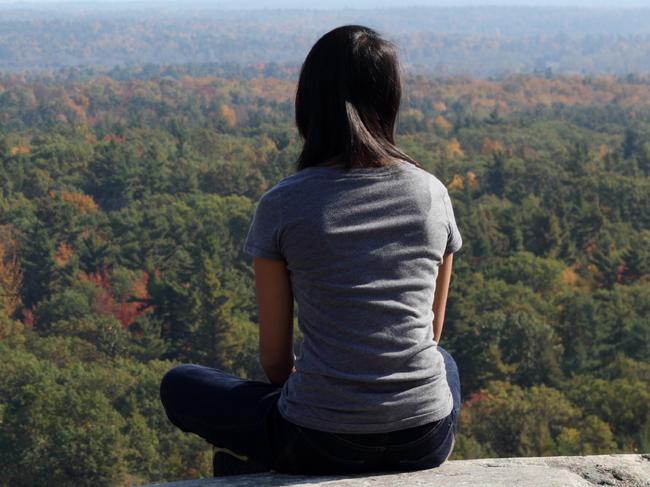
<point>480,42</point>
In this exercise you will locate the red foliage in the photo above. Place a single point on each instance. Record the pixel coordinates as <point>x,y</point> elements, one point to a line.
<point>475,398</point>
<point>113,138</point>
<point>28,317</point>
<point>125,311</point>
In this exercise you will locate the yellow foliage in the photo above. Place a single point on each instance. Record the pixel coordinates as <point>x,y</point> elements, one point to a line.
<point>82,202</point>
<point>228,115</point>
<point>442,123</point>
<point>472,181</point>
<point>454,148</point>
<point>456,182</point>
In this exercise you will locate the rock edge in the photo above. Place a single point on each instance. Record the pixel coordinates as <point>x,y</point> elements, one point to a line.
<point>624,470</point>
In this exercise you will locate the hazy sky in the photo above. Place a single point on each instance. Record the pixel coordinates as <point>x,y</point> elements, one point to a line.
<point>235,4</point>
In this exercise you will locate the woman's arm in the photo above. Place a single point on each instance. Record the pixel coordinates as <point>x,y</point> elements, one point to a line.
<point>440,295</point>
<point>275,310</point>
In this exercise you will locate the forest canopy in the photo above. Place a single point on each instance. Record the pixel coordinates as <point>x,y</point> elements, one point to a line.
<point>125,196</point>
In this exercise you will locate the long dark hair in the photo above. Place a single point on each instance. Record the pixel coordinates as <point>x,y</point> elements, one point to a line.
<point>347,100</point>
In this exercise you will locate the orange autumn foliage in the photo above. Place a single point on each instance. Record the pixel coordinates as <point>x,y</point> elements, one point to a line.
<point>569,276</point>
<point>63,254</point>
<point>19,150</point>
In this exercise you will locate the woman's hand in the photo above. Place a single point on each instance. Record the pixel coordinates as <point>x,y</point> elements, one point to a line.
<point>275,311</point>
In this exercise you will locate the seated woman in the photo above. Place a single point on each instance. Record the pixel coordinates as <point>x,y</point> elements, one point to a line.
<point>363,238</point>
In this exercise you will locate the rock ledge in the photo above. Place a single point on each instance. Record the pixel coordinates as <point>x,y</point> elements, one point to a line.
<point>579,471</point>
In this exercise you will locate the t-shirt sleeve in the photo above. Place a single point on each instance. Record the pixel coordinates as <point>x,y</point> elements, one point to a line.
<point>454,240</point>
<point>263,238</point>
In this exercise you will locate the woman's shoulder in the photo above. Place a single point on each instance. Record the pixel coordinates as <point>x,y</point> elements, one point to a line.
<point>285,184</point>
<point>437,187</point>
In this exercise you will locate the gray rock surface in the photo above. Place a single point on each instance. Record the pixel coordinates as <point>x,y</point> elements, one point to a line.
<point>585,471</point>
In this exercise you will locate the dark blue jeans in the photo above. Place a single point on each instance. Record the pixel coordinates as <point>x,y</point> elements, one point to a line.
<point>241,415</point>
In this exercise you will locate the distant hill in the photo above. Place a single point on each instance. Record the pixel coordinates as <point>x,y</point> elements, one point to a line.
<point>476,41</point>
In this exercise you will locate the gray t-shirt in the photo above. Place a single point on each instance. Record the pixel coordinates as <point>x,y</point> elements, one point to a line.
<point>362,248</point>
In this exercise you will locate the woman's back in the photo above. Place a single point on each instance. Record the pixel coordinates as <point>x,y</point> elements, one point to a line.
<point>362,247</point>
